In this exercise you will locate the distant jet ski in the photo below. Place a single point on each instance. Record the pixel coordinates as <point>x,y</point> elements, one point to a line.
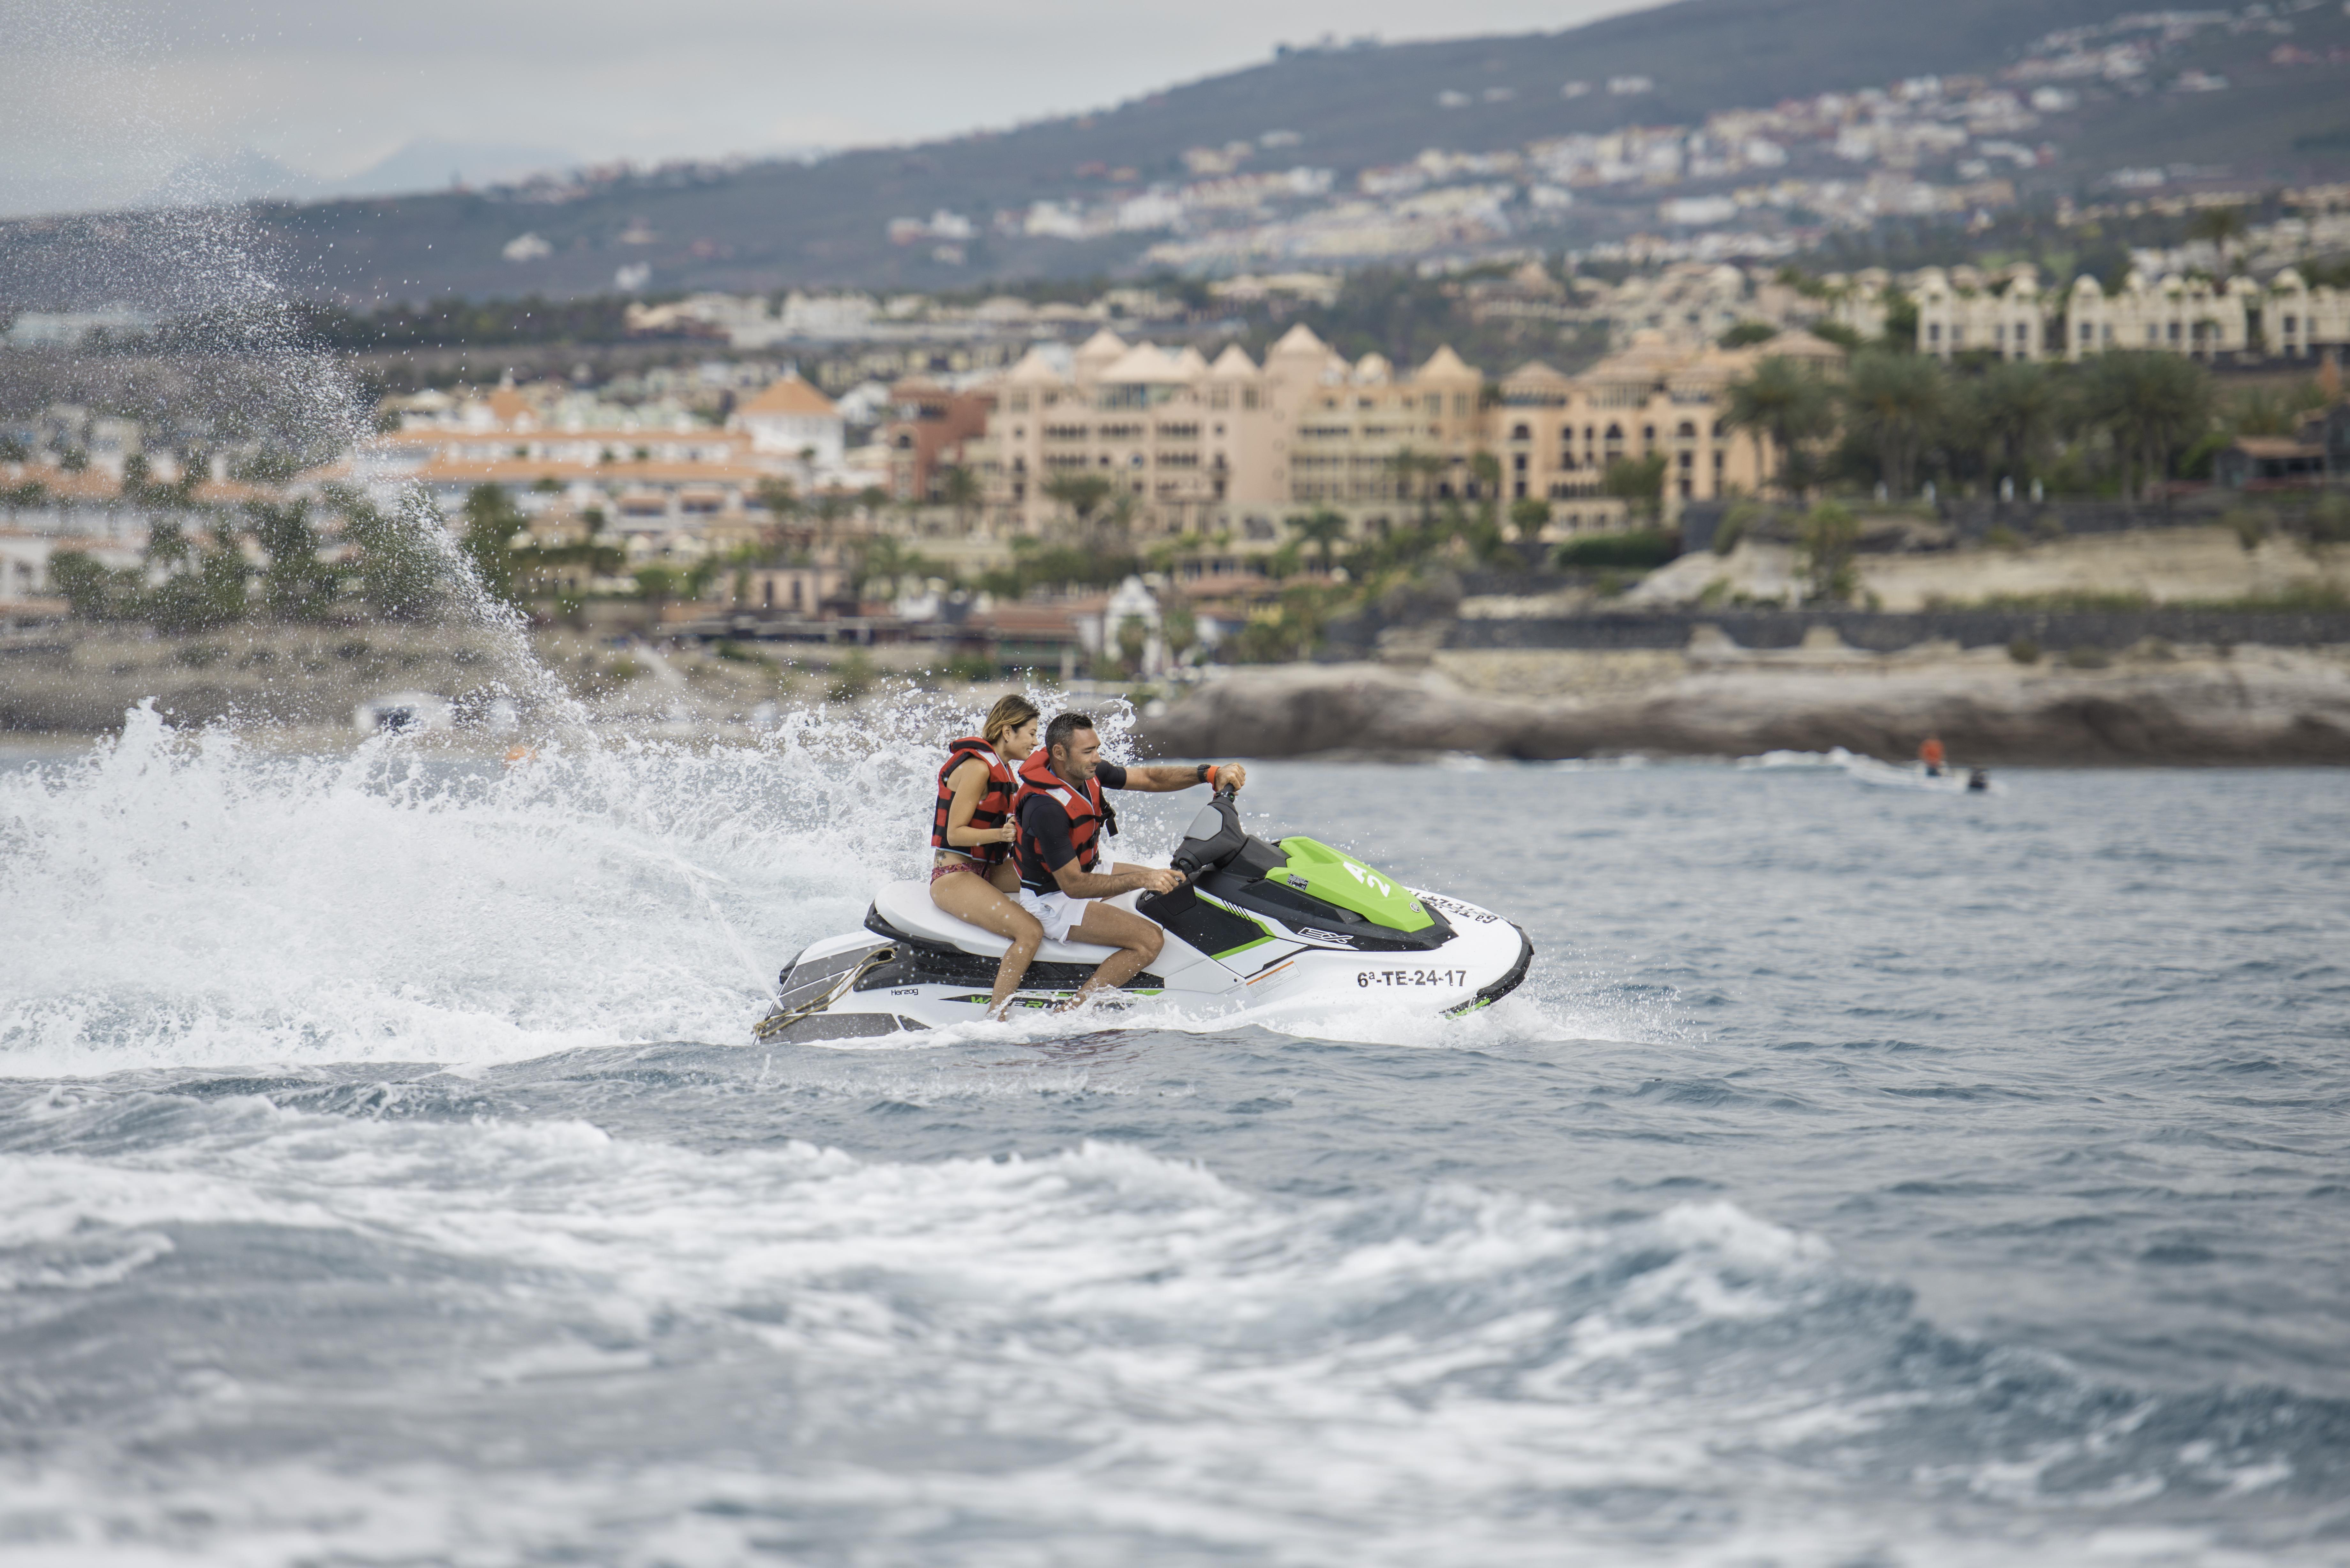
<point>1293,923</point>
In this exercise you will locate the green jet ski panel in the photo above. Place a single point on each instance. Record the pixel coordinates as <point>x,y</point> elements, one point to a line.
<point>1336,878</point>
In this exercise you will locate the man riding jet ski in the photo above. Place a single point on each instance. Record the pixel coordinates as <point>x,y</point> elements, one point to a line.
<point>1291,926</point>
<point>1061,818</point>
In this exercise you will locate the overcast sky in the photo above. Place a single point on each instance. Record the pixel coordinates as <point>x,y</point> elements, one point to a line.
<point>100,101</point>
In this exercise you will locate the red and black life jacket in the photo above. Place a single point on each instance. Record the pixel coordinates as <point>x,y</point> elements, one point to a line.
<point>994,802</point>
<point>1085,813</point>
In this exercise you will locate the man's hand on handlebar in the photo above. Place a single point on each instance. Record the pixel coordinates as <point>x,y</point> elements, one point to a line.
<point>1231,775</point>
<point>1157,879</point>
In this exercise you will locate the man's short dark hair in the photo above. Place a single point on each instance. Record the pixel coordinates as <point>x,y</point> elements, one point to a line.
<point>1064,725</point>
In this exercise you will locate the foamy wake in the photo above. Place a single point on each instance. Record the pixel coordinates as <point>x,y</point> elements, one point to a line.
<point>188,899</point>
<point>192,899</point>
<point>579,1346</point>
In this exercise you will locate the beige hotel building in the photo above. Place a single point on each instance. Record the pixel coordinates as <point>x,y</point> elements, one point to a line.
<point>1230,448</point>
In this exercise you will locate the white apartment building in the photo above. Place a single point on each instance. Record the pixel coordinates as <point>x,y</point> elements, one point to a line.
<point>2009,315</point>
<point>2173,314</point>
<point>2298,321</point>
<point>792,419</point>
<point>1960,311</point>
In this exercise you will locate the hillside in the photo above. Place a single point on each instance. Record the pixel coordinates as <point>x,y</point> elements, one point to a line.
<point>1342,110</point>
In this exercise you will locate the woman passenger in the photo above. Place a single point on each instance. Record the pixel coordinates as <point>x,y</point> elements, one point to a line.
<point>972,874</point>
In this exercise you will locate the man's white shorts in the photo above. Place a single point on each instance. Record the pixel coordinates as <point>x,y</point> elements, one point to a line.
<point>1056,911</point>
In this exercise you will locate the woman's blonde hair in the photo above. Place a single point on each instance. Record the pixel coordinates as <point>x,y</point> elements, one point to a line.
<point>1008,714</point>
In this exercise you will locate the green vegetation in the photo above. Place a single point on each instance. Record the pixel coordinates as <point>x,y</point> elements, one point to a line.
<point>2119,425</point>
<point>1894,403</point>
<point>454,322</point>
<point>1826,539</point>
<point>1639,483</point>
<point>852,678</point>
<point>1783,404</point>
<point>184,584</point>
<point>1639,550</point>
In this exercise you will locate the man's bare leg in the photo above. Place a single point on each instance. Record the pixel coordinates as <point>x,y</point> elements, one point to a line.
<point>1138,942</point>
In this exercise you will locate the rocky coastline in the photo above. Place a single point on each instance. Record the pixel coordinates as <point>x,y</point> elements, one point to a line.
<point>2154,705</point>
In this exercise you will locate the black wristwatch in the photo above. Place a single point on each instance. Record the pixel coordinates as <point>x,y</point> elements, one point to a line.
<point>1206,769</point>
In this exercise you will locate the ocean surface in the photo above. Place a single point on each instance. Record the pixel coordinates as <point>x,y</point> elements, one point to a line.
<point>1863,1177</point>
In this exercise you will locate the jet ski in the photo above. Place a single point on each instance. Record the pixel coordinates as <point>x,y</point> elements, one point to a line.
<point>1291,924</point>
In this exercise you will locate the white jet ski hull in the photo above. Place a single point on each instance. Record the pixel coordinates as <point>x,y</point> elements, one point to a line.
<point>917,967</point>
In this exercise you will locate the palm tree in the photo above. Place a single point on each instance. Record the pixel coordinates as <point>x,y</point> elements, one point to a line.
<point>1417,475</point>
<point>2016,408</point>
<point>1322,530</point>
<point>1780,404</point>
<point>1082,493</point>
<point>780,499</point>
<point>959,488</point>
<point>881,558</point>
<point>2152,404</point>
<point>2222,227</point>
<point>1895,401</point>
<point>1639,483</point>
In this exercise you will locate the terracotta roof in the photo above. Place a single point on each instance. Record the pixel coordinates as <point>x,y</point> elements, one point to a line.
<point>791,396</point>
<point>2277,446</point>
<point>1794,343</point>
<point>95,484</point>
<point>510,408</point>
<point>519,470</point>
<point>1030,618</point>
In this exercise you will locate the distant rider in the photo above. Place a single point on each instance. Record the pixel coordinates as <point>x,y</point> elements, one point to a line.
<point>972,831</point>
<point>1930,753</point>
<point>1061,819</point>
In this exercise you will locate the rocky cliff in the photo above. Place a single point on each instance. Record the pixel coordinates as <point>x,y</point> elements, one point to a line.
<point>2152,705</point>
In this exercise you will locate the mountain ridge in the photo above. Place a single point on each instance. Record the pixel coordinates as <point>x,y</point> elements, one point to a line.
<point>760,226</point>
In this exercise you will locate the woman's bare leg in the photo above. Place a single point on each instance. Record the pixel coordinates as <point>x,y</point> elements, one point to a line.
<point>969,897</point>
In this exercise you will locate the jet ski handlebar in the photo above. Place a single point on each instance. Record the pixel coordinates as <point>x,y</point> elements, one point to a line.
<point>1215,836</point>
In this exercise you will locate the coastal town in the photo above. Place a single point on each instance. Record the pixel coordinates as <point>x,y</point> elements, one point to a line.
<point>1330,412</point>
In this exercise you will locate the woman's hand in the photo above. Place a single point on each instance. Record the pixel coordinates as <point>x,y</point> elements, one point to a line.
<point>1008,834</point>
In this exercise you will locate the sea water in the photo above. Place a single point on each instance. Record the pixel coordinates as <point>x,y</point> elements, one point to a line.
<point>1861,1177</point>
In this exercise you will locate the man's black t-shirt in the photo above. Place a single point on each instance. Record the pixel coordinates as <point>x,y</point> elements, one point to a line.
<point>1044,818</point>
